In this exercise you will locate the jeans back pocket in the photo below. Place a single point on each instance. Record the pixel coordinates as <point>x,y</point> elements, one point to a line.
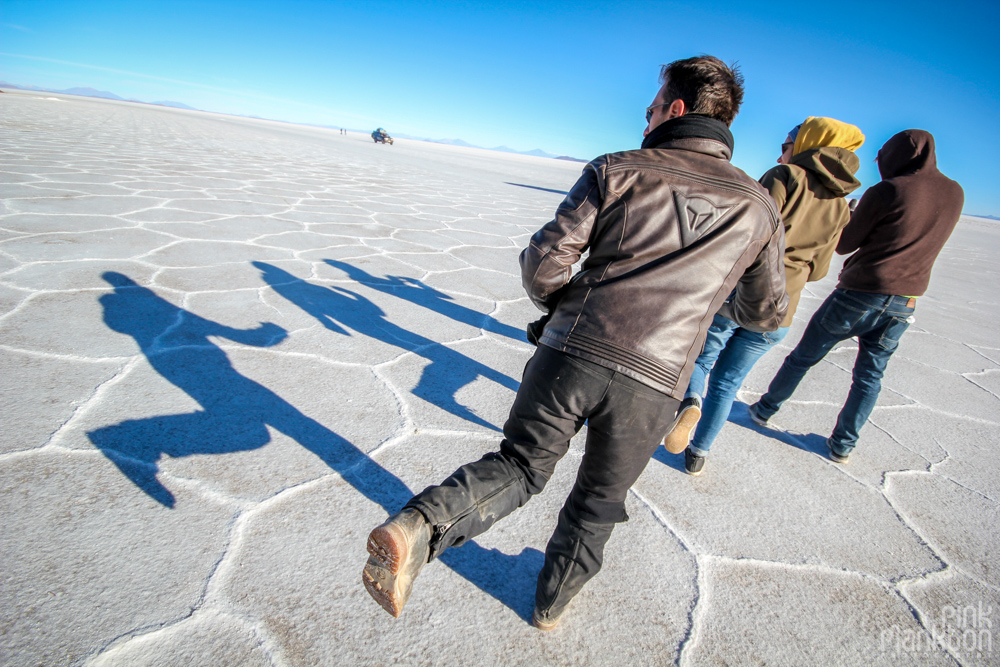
<point>840,316</point>
<point>892,332</point>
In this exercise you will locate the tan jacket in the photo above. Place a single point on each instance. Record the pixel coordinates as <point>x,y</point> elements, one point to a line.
<point>671,231</point>
<point>809,192</point>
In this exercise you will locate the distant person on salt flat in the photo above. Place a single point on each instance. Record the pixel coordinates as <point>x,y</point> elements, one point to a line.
<point>815,174</point>
<point>671,230</point>
<point>895,233</point>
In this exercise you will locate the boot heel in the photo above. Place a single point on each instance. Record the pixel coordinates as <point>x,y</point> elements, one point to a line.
<point>388,547</point>
<point>397,550</point>
<point>542,624</point>
<point>380,576</point>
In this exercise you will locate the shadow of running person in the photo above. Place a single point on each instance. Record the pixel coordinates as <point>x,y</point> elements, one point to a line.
<point>339,309</point>
<point>234,417</point>
<point>535,187</point>
<point>416,292</point>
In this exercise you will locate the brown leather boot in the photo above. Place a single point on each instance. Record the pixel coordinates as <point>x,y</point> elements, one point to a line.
<point>398,549</point>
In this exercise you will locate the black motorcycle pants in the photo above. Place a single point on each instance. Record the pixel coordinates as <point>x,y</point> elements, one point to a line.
<point>626,421</point>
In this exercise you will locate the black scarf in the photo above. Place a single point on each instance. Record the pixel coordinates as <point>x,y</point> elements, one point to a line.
<point>690,125</point>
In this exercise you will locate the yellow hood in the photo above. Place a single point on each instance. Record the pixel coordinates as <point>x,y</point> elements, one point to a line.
<point>818,132</point>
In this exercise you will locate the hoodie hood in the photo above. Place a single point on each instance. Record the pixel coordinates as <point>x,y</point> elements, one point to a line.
<point>906,153</point>
<point>833,168</point>
<point>818,131</point>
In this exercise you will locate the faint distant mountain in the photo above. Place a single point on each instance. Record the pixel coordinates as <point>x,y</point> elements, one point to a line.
<point>176,105</point>
<point>537,152</point>
<point>90,92</point>
<point>989,217</point>
<point>93,92</point>
<point>4,84</point>
<point>453,142</point>
<point>571,159</point>
<point>85,92</point>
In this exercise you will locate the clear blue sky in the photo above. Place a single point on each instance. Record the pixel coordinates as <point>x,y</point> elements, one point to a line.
<point>567,77</point>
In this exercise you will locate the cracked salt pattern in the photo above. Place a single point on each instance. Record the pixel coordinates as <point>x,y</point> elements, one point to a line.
<point>229,347</point>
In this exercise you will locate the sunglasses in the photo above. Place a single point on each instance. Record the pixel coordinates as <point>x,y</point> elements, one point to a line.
<point>649,110</point>
<point>786,146</point>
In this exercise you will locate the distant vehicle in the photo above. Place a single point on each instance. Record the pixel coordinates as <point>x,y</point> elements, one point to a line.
<point>381,137</point>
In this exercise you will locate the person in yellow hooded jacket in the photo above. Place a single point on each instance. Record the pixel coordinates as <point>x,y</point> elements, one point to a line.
<point>815,173</point>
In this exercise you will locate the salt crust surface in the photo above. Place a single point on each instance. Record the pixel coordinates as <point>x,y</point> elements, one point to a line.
<point>229,347</point>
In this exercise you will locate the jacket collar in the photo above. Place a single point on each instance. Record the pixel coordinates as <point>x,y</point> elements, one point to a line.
<point>695,132</point>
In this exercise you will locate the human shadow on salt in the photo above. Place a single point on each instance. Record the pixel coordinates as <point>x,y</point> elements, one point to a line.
<point>421,294</point>
<point>234,416</point>
<point>807,442</point>
<point>343,311</point>
<point>535,187</point>
<point>675,461</point>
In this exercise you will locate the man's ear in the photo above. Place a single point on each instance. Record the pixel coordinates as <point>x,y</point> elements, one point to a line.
<point>676,109</point>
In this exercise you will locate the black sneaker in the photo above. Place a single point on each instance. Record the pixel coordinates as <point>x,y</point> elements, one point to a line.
<point>693,465</point>
<point>834,456</point>
<point>679,435</point>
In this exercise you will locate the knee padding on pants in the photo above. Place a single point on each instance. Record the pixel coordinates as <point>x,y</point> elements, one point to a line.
<point>534,479</point>
<point>587,508</point>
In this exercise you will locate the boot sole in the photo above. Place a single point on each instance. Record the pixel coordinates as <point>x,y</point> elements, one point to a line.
<point>680,435</point>
<point>544,626</point>
<point>388,551</point>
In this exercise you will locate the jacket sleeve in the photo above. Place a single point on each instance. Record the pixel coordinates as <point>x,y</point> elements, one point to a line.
<point>864,217</point>
<point>547,262</point>
<point>760,301</point>
<point>774,181</point>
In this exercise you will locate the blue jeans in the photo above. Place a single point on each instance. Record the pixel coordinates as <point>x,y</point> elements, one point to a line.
<point>878,321</point>
<point>729,354</point>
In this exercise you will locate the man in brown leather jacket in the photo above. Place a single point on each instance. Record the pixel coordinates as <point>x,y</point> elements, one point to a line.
<point>675,234</point>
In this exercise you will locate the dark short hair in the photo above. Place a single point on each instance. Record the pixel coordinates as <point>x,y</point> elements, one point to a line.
<point>706,84</point>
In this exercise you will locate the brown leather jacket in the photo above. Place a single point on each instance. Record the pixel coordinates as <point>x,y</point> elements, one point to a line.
<point>671,231</point>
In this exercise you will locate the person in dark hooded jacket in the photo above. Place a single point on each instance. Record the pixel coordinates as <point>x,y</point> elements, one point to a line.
<point>896,232</point>
<point>815,174</point>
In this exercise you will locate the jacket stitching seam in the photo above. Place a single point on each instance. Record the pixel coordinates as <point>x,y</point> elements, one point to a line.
<point>607,267</point>
<point>624,354</point>
<point>726,184</point>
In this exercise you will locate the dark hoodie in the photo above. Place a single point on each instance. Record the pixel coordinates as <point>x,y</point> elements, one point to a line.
<point>809,192</point>
<point>901,224</point>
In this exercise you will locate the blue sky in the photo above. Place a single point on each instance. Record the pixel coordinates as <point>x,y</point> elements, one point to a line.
<point>567,77</point>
